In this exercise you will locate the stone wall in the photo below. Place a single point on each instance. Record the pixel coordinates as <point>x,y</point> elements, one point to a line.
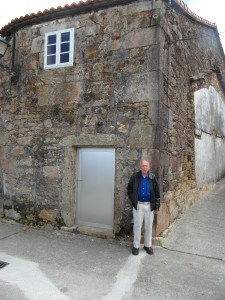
<point>191,58</point>
<point>210,136</point>
<point>129,88</point>
<point>109,97</point>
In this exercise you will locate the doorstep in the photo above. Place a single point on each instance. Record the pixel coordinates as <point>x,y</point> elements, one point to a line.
<point>91,231</point>
<point>104,233</point>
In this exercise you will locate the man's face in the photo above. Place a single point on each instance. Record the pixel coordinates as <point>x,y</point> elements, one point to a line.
<point>144,167</point>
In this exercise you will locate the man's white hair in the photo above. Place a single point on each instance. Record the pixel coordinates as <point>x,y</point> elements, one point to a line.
<point>143,161</point>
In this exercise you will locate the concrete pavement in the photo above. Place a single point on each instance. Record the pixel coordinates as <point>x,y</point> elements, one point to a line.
<point>52,264</point>
<point>201,230</point>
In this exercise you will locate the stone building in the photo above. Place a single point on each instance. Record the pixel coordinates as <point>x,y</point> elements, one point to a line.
<point>88,90</point>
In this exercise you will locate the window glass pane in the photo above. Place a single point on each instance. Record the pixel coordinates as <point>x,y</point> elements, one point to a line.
<point>65,37</point>
<point>65,47</point>
<point>51,60</point>
<point>52,39</point>
<point>58,48</point>
<point>51,49</point>
<point>64,58</point>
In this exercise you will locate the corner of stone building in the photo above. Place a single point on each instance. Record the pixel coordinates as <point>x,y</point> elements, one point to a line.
<point>150,98</point>
<point>163,221</point>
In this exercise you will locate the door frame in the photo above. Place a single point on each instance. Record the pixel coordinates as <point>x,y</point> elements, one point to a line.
<point>92,224</point>
<point>70,144</point>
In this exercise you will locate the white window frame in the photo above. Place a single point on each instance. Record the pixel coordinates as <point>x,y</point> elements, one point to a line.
<point>58,43</point>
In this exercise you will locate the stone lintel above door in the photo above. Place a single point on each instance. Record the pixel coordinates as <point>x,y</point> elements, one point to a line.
<point>87,140</point>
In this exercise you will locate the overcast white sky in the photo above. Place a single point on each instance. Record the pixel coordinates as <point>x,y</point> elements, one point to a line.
<point>208,9</point>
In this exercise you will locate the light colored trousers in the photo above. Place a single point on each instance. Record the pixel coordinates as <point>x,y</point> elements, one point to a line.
<point>143,213</point>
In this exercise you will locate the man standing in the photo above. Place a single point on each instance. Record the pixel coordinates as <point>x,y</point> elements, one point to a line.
<point>143,192</point>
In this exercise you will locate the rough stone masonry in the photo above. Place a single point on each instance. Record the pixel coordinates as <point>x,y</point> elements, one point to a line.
<point>136,67</point>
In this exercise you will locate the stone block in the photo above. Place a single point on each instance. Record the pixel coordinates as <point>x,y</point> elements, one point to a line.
<point>141,37</point>
<point>48,215</point>
<point>137,53</point>
<point>162,219</point>
<point>51,26</point>
<point>27,162</point>
<point>18,150</point>
<point>174,214</point>
<point>12,214</point>
<point>25,171</point>
<point>51,172</point>
<point>152,156</point>
<point>37,44</point>
<point>2,153</point>
<point>23,190</point>
<point>4,138</point>
<point>22,141</point>
<point>128,154</point>
<point>48,123</point>
<point>122,127</point>
<point>30,217</point>
<point>8,165</point>
<point>92,53</point>
<point>9,126</point>
<point>138,88</point>
<point>92,140</point>
<point>142,136</point>
<point>165,116</point>
<point>115,45</point>
<point>177,192</point>
<point>69,186</point>
<point>154,112</point>
<point>65,92</point>
<point>97,232</point>
<point>91,30</point>
<point>172,205</point>
<point>154,57</point>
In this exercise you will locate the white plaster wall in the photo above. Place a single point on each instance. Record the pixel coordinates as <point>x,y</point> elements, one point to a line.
<point>210,127</point>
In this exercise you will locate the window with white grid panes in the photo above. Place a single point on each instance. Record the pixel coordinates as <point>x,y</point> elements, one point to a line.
<point>59,47</point>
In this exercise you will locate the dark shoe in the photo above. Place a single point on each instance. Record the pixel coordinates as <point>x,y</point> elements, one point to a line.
<point>135,251</point>
<point>149,250</point>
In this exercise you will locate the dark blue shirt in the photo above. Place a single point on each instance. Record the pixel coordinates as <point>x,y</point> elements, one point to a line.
<point>144,190</point>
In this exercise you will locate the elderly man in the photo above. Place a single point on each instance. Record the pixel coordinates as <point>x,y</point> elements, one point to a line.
<point>143,192</point>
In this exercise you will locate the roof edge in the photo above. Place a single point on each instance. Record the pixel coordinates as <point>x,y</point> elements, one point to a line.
<point>189,12</point>
<point>59,12</point>
<point>79,8</point>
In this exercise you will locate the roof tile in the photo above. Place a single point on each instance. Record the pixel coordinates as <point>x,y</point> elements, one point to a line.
<point>87,4</point>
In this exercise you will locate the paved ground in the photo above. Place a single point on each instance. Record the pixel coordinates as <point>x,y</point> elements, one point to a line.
<point>201,230</point>
<point>60,265</point>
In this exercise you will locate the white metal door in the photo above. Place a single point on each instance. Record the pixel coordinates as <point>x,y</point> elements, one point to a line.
<point>95,187</point>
